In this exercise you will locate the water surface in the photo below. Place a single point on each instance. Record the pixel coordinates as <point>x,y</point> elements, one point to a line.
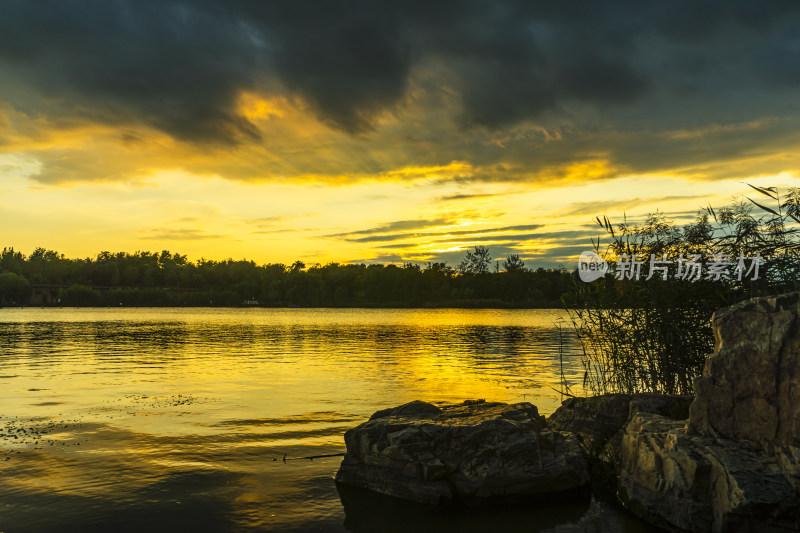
<point>201,419</point>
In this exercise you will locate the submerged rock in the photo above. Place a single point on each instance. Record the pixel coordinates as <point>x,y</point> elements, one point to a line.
<point>734,465</point>
<point>470,454</point>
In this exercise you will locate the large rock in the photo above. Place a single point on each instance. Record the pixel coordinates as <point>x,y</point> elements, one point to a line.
<point>470,454</point>
<point>750,388</point>
<point>700,483</point>
<point>734,465</point>
<point>599,421</point>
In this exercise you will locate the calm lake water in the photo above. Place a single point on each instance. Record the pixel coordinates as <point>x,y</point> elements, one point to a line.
<point>180,419</point>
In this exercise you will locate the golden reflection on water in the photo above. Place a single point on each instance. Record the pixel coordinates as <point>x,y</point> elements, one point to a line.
<point>187,414</point>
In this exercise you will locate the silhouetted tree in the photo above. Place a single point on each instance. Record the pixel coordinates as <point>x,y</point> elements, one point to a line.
<point>476,262</point>
<point>13,288</point>
<point>513,264</point>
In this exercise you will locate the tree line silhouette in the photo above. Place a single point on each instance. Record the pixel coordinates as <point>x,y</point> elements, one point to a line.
<point>170,279</point>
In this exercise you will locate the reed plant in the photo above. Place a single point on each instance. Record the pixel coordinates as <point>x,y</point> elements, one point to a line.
<point>654,335</point>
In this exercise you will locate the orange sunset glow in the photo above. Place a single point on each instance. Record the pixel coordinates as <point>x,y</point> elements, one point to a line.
<point>273,136</point>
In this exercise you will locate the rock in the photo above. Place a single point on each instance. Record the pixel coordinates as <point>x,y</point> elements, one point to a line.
<point>735,464</point>
<point>700,483</point>
<point>594,420</point>
<point>750,388</point>
<point>467,454</point>
<point>599,421</point>
<point>410,409</point>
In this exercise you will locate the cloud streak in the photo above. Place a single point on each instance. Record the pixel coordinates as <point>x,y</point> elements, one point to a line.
<point>392,231</point>
<point>181,235</point>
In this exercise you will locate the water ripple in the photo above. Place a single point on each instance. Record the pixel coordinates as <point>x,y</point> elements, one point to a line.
<point>203,419</point>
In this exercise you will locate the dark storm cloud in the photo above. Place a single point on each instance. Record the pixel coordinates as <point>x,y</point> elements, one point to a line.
<point>348,59</point>
<point>174,67</point>
<point>178,65</point>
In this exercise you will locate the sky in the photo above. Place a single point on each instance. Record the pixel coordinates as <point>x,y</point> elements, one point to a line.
<point>384,132</point>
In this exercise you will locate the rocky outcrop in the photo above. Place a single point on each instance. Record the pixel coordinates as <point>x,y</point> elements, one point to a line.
<point>599,421</point>
<point>734,465</point>
<point>700,483</point>
<point>750,388</point>
<point>730,462</point>
<point>469,454</point>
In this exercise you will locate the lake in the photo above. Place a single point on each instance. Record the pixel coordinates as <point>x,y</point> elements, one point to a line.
<point>203,419</point>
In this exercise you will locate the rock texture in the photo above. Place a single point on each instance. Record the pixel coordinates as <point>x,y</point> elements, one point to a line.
<point>702,483</point>
<point>599,421</point>
<point>734,465</point>
<point>750,388</point>
<point>468,454</point>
